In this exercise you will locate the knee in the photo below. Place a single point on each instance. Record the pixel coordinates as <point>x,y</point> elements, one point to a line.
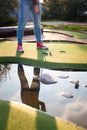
<point>21,26</point>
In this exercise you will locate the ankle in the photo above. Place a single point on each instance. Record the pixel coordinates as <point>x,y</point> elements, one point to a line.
<point>39,43</point>
<point>19,44</point>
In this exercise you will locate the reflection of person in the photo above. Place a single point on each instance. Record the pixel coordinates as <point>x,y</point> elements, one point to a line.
<point>29,95</point>
<point>27,7</point>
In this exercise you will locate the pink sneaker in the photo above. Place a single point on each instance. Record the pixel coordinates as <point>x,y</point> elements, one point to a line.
<point>41,46</point>
<point>19,48</point>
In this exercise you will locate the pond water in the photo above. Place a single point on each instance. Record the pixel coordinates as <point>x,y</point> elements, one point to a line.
<point>20,83</point>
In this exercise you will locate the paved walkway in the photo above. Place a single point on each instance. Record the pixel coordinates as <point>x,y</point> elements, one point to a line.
<point>48,35</point>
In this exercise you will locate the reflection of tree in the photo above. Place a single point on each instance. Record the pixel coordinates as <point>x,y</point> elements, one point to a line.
<point>30,94</point>
<point>4,68</point>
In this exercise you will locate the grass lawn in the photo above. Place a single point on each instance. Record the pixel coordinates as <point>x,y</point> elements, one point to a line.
<point>15,116</point>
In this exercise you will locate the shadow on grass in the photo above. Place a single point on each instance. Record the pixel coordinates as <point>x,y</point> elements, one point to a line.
<point>45,122</point>
<point>18,54</point>
<point>4,114</point>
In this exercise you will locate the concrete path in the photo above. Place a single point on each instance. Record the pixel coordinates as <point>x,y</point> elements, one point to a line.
<point>48,35</point>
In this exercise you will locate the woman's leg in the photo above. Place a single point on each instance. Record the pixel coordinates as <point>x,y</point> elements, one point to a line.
<point>37,28</point>
<point>24,10</point>
<point>36,20</point>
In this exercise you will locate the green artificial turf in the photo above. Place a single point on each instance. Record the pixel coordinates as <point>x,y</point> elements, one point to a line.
<point>61,55</point>
<point>66,27</point>
<point>15,116</point>
<point>78,34</point>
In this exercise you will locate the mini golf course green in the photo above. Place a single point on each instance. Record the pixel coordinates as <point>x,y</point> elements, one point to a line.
<point>17,116</point>
<point>61,55</point>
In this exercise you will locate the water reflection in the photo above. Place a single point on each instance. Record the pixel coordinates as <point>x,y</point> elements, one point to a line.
<point>76,112</point>
<point>30,94</point>
<point>76,86</point>
<point>22,85</point>
<point>4,69</point>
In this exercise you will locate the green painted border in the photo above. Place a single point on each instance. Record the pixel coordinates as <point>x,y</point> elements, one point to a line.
<point>49,65</point>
